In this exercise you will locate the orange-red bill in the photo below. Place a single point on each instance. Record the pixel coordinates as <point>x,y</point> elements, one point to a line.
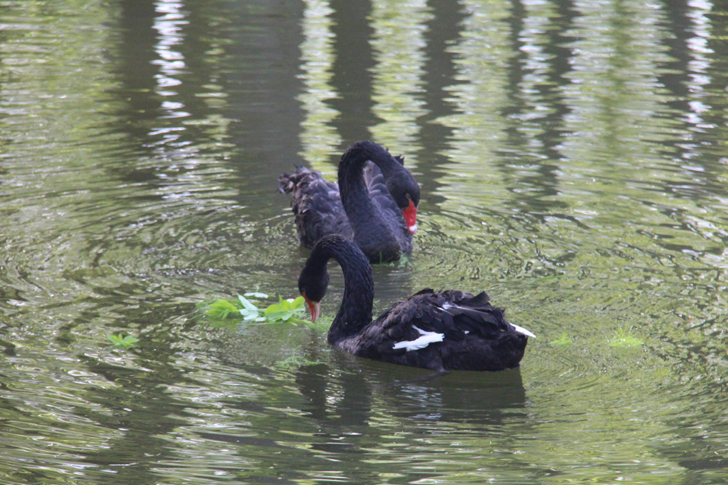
<point>314,307</point>
<point>410,217</point>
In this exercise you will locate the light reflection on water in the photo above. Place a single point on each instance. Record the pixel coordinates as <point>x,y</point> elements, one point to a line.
<point>572,164</point>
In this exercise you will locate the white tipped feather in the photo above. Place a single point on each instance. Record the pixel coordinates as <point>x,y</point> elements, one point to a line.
<point>420,343</point>
<point>518,329</point>
<point>523,331</point>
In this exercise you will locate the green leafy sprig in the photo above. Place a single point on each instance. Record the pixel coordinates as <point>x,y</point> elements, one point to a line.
<point>121,342</point>
<point>224,312</point>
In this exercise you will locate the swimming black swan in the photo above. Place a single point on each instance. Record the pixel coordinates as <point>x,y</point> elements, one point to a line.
<point>447,330</point>
<point>369,209</point>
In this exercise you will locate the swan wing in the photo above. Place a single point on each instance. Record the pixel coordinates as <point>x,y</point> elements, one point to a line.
<point>316,206</point>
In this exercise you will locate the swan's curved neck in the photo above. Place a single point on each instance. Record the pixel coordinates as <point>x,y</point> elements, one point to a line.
<point>356,307</point>
<point>365,219</point>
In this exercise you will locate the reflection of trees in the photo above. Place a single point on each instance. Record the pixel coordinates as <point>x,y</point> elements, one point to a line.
<point>618,108</point>
<point>536,107</point>
<point>398,44</point>
<point>439,75</point>
<point>318,134</point>
<point>262,84</point>
<point>139,407</point>
<point>471,178</point>
<point>698,76</point>
<point>168,98</point>
<point>400,74</point>
<point>199,92</point>
<point>352,78</point>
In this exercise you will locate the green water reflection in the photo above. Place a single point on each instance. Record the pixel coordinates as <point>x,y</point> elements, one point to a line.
<point>572,162</point>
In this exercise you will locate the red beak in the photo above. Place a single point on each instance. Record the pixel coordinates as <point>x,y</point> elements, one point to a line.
<point>410,217</point>
<point>314,307</point>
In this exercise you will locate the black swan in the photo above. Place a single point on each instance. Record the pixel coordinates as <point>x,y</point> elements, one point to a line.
<point>368,208</point>
<point>442,331</point>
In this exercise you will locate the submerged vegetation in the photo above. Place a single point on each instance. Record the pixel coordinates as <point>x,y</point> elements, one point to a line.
<point>563,341</point>
<point>624,338</point>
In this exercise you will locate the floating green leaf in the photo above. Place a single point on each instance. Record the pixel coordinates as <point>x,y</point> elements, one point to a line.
<point>284,310</point>
<point>298,303</point>
<point>220,309</point>
<point>250,312</point>
<point>120,341</point>
<point>246,304</point>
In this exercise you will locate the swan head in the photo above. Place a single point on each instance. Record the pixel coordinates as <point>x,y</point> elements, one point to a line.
<point>406,193</point>
<point>313,282</point>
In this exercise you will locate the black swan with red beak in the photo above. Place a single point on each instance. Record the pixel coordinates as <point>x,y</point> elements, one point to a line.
<point>374,203</point>
<point>442,331</point>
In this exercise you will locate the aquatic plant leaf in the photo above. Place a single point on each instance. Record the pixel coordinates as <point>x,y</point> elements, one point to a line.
<point>249,314</point>
<point>281,306</point>
<point>298,303</point>
<point>284,309</point>
<point>122,342</point>
<point>221,309</point>
<point>246,304</point>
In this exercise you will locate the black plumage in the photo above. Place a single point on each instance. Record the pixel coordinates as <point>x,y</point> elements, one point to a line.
<point>447,330</point>
<point>374,202</point>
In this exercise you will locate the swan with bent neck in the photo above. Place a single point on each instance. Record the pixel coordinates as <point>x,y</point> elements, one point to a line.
<point>374,203</point>
<point>442,331</point>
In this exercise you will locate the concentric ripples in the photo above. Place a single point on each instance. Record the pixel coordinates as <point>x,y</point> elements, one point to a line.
<point>572,162</point>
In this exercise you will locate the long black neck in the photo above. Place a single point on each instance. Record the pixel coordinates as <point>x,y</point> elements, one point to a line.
<point>370,230</point>
<point>356,306</point>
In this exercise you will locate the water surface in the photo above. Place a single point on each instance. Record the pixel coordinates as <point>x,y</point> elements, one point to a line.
<point>573,164</point>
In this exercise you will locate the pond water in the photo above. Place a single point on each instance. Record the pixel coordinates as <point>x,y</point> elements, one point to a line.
<point>573,163</point>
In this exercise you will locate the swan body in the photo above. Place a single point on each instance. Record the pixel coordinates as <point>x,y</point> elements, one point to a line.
<point>438,330</point>
<point>374,202</point>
